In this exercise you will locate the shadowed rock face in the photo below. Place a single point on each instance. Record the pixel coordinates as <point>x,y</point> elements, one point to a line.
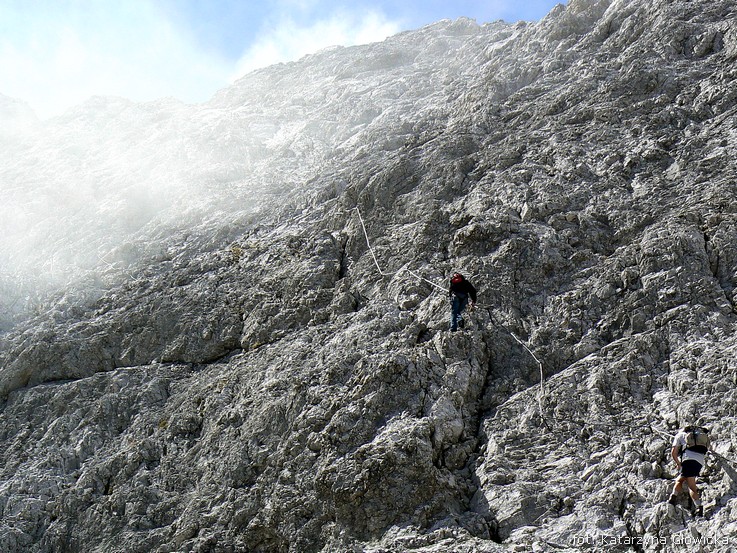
<point>249,381</point>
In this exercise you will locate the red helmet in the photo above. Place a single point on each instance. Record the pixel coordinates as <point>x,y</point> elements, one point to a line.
<point>456,278</point>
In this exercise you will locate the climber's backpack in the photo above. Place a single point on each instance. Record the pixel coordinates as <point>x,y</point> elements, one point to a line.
<point>697,439</point>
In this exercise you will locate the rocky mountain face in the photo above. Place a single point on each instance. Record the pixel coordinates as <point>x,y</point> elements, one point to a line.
<point>257,376</point>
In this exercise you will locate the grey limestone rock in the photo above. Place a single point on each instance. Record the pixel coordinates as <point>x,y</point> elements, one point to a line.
<point>243,371</point>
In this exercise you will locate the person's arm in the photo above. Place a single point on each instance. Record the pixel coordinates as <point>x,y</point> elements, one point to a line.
<point>675,450</point>
<point>472,293</point>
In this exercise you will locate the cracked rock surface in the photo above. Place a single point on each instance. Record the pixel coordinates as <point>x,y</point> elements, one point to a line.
<point>251,381</point>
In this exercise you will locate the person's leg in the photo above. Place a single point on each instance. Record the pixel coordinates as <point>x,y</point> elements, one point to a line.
<point>695,496</point>
<point>689,471</point>
<point>461,309</point>
<point>455,313</point>
<point>693,490</point>
<point>677,490</point>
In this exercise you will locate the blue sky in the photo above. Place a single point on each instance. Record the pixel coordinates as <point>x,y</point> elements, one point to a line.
<point>57,53</point>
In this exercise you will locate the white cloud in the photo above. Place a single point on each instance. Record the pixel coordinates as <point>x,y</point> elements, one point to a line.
<point>290,41</point>
<point>64,57</point>
<point>62,52</point>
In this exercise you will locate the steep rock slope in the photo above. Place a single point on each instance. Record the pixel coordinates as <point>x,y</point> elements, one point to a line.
<point>280,393</point>
<point>91,195</point>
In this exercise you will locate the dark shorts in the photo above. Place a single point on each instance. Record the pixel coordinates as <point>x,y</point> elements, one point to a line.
<point>690,468</point>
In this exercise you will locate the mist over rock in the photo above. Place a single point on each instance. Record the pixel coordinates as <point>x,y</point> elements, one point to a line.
<point>231,367</point>
<point>18,118</point>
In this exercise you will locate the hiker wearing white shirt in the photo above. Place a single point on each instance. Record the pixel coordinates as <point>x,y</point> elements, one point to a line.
<point>689,448</point>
